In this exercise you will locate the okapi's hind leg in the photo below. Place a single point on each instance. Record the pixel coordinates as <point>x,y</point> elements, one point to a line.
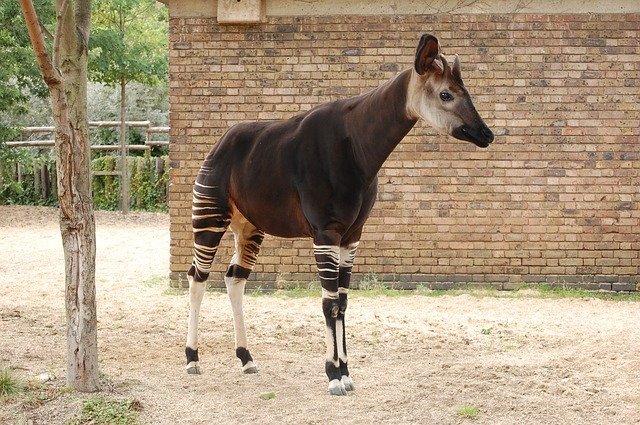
<point>211,216</point>
<point>247,246</point>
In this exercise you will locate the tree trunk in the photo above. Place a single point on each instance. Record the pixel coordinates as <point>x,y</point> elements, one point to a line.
<point>124,166</point>
<point>66,77</point>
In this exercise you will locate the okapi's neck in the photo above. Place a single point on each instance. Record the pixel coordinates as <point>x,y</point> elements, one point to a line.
<point>378,121</point>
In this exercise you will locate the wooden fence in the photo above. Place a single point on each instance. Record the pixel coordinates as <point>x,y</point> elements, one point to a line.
<point>42,179</point>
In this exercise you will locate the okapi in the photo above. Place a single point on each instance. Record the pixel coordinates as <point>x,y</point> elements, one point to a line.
<point>315,175</point>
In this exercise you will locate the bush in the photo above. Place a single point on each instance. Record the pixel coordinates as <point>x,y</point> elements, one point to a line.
<point>148,178</point>
<point>27,176</point>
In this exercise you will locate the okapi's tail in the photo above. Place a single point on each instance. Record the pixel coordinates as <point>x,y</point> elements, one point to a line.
<point>210,216</point>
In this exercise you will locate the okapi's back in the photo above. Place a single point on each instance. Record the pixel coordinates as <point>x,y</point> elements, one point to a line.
<point>257,161</point>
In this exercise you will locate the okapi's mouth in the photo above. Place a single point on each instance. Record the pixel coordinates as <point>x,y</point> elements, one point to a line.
<point>481,137</point>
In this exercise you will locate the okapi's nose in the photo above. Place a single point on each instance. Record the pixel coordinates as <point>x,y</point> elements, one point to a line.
<point>479,135</point>
<point>487,134</point>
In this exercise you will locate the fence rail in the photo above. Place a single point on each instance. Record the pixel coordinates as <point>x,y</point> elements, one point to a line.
<point>148,142</point>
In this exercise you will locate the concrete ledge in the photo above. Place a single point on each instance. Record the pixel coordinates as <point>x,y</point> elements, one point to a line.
<point>209,8</point>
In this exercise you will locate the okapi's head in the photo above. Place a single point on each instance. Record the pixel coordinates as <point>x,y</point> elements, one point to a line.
<point>437,95</point>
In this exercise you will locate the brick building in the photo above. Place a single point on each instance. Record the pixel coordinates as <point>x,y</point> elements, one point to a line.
<point>554,199</point>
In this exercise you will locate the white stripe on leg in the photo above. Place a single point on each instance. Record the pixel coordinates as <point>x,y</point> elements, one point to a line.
<point>330,344</point>
<point>340,338</point>
<point>196,293</point>
<point>235,290</point>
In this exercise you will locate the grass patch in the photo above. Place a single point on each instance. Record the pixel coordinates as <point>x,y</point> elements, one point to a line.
<point>468,412</point>
<point>285,293</point>
<point>156,281</point>
<point>295,293</point>
<point>551,291</point>
<point>267,395</point>
<point>297,289</point>
<point>37,394</point>
<point>172,292</point>
<point>372,286</point>
<point>103,411</point>
<point>9,383</point>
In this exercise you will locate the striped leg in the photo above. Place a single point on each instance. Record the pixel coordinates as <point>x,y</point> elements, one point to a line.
<point>347,255</point>
<point>247,240</point>
<point>211,217</point>
<point>328,262</point>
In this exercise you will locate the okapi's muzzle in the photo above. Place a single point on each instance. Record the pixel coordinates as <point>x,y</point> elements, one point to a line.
<point>480,135</point>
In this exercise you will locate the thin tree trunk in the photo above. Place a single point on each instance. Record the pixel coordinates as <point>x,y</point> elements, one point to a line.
<point>66,77</point>
<point>124,167</point>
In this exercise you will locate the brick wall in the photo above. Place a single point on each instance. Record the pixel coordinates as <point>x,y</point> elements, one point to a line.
<point>554,199</point>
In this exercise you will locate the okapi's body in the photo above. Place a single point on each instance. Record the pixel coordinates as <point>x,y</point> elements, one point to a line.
<point>315,175</point>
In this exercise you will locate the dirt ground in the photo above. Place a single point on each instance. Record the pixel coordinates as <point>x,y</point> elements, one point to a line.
<point>414,359</point>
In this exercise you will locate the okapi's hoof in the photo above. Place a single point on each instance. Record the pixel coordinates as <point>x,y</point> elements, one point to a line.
<point>348,383</point>
<point>249,368</point>
<point>336,387</point>
<point>193,368</point>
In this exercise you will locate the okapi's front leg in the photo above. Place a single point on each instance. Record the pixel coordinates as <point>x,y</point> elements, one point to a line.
<point>333,307</point>
<point>347,255</point>
<point>328,262</point>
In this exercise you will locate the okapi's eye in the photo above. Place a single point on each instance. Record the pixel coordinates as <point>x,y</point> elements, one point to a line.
<point>445,96</point>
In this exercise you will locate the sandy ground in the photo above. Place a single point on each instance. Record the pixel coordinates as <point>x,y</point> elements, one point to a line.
<point>414,359</point>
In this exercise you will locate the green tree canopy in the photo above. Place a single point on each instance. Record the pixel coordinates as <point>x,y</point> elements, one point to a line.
<point>129,38</point>
<point>19,73</point>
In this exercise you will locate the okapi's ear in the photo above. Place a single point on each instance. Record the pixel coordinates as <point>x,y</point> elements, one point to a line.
<point>455,71</point>
<point>428,50</point>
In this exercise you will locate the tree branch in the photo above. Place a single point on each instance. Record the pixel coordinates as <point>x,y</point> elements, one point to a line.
<point>82,11</point>
<point>50,74</point>
<point>59,31</point>
<point>45,31</point>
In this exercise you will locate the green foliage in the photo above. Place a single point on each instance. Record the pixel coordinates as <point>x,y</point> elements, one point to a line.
<point>103,411</point>
<point>148,180</point>
<point>6,134</point>
<point>9,384</point>
<point>129,39</point>
<point>20,78</point>
<point>23,190</point>
<point>106,189</point>
<point>111,136</point>
<point>19,72</point>
<point>148,187</point>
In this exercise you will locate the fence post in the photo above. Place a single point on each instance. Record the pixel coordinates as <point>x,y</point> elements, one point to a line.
<point>46,182</point>
<point>36,181</point>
